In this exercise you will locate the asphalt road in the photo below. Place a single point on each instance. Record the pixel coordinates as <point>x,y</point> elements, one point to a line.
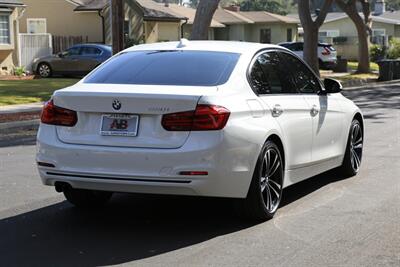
<point>324,221</point>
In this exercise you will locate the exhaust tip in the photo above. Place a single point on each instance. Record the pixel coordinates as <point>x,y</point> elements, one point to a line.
<point>62,187</point>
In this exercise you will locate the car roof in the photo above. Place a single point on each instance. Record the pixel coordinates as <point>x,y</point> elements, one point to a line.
<point>319,43</point>
<point>216,46</point>
<point>103,46</point>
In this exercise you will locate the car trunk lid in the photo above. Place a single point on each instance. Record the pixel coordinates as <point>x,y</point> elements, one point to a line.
<point>92,102</point>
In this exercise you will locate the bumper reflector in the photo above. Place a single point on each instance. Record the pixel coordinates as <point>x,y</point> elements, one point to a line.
<point>193,173</point>
<point>45,164</point>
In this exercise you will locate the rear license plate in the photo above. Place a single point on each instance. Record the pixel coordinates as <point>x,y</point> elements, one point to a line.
<point>119,125</point>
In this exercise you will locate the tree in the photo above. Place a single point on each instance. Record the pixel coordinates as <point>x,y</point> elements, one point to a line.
<point>195,3</point>
<point>117,25</point>
<point>273,6</point>
<point>202,20</point>
<point>311,27</point>
<point>363,27</point>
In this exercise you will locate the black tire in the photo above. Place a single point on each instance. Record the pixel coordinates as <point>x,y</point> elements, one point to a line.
<point>87,198</point>
<point>44,70</point>
<point>321,65</point>
<point>255,206</point>
<point>354,150</point>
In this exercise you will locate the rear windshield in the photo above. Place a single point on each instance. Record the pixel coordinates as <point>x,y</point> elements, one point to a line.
<point>175,67</point>
<point>285,45</point>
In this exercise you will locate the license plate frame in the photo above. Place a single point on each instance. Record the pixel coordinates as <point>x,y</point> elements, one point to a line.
<point>131,131</point>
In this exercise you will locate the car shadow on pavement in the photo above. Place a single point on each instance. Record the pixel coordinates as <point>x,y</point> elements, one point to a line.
<point>302,189</point>
<point>373,100</point>
<point>131,227</point>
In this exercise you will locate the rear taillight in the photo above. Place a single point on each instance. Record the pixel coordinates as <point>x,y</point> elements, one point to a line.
<point>204,118</point>
<point>326,51</point>
<point>51,114</point>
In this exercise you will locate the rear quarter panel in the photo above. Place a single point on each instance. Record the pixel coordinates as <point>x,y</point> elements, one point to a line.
<point>350,110</point>
<point>249,125</point>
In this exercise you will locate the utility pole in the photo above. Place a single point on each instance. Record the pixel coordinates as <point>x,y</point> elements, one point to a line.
<point>117,22</point>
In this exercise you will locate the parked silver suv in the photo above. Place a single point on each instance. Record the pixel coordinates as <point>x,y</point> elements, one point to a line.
<point>327,54</point>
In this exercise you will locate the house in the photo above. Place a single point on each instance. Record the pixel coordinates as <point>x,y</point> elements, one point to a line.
<point>148,21</point>
<point>10,13</point>
<point>339,30</point>
<point>63,18</point>
<point>394,18</point>
<point>254,26</point>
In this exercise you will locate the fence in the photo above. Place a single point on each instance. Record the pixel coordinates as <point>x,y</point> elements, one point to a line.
<point>33,46</point>
<point>61,43</point>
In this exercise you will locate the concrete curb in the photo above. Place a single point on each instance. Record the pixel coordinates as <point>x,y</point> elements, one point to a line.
<point>8,127</point>
<point>371,85</point>
<point>19,141</point>
<point>11,109</point>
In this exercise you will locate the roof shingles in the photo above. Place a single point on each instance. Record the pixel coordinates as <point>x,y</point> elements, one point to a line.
<point>12,2</point>
<point>222,17</point>
<point>387,17</point>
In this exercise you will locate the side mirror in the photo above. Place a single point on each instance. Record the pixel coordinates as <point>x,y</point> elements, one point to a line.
<point>60,54</point>
<point>332,86</point>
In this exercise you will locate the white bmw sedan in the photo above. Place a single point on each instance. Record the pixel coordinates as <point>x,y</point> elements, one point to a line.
<point>205,118</point>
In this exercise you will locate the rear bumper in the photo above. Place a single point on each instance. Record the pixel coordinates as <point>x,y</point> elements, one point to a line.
<point>328,64</point>
<point>155,171</point>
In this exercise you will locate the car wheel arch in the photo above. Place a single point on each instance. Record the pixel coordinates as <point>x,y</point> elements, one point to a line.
<point>347,127</point>
<point>43,62</point>
<point>278,141</point>
<point>275,137</point>
<point>359,117</point>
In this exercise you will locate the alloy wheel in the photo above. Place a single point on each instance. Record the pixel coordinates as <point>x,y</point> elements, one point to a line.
<point>356,146</point>
<point>44,70</point>
<point>271,179</point>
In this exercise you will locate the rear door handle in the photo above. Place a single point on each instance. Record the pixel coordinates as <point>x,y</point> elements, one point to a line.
<point>277,110</point>
<point>314,110</point>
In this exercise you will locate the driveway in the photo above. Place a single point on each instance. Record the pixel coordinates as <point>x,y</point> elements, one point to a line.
<point>324,221</point>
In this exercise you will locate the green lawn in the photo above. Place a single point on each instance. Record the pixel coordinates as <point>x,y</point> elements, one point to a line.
<point>30,91</point>
<point>353,66</point>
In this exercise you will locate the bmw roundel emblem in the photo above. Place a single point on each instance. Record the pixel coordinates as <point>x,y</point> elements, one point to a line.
<point>116,104</point>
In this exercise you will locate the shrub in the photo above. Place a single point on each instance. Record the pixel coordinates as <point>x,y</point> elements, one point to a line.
<point>19,71</point>
<point>130,42</point>
<point>377,52</point>
<point>394,50</point>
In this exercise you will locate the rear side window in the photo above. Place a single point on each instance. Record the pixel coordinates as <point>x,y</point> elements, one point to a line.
<point>89,51</point>
<point>268,75</point>
<point>297,47</point>
<point>303,78</point>
<point>175,67</point>
<point>288,46</point>
<point>74,51</point>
